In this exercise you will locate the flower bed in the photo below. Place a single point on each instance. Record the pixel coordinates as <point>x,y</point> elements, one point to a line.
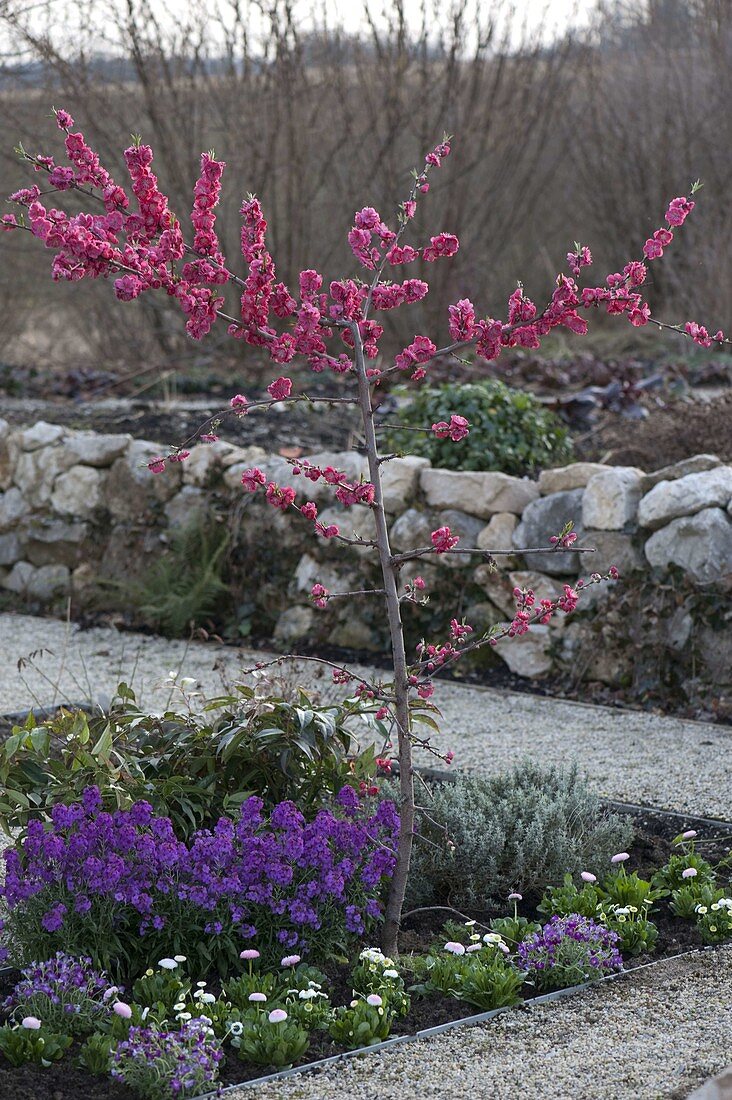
<point>267,1011</point>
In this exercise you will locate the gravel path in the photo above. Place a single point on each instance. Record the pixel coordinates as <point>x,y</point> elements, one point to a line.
<point>632,756</point>
<point>653,1036</point>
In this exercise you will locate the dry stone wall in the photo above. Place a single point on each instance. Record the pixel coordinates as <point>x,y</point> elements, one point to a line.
<point>77,508</point>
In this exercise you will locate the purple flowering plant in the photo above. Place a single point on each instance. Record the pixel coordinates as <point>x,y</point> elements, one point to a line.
<point>161,1064</point>
<point>66,993</point>
<point>122,888</point>
<point>567,951</point>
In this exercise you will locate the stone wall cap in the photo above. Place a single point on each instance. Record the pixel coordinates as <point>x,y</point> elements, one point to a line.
<point>574,476</point>
<point>481,493</point>
<point>685,496</point>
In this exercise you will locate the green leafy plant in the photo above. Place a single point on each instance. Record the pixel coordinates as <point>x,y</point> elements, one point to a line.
<point>510,430</point>
<point>481,838</point>
<point>484,977</point>
<point>159,990</point>
<point>685,899</point>
<point>514,929</point>
<point>190,768</point>
<point>239,990</point>
<point>491,984</point>
<point>637,934</point>
<point>569,898</point>
<point>714,920</point>
<point>377,973</point>
<point>624,890</point>
<point>310,1007</point>
<point>95,1055</point>
<point>683,866</point>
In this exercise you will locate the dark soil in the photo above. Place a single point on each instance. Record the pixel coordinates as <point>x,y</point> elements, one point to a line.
<point>299,430</point>
<point>670,433</point>
<point>651,848</point>
<point>61,1081</point>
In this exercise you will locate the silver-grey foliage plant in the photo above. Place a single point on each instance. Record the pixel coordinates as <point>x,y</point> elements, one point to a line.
<point>481,839</point>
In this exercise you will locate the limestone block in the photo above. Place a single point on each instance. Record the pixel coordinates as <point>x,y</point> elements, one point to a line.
<point>187,505</point>
<point>543,518</point>
<point>41,434</point>
<point>18,577</point>
<point>563,478</point>
<point>411,530</point>
<point>294,623</point>
<point>96,449</point>
<point>527,655</point>
<point>478,493</point>
<point>36,472</point>
<point>131,490</point>
<point>78,492</point>
<point>700,544</point>
<point>611,498</point>
<point>685,496</point>
<point>13,507</point>
<point>695,465</point>
<point>611,548</point>
<point>49,581</point>
<point>400,481</point>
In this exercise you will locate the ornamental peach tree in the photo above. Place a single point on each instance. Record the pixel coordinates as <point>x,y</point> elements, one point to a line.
<point>139,242</point>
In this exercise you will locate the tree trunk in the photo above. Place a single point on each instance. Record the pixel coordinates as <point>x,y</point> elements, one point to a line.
<point>390,574</point>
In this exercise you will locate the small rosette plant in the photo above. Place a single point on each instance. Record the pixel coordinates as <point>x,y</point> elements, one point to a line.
<point>365,1022</point>
<point>569,898</point>
<point>95,1055</point>
<point>714,920</point>
<point>683,866</point>
<point>310,1007</point>
<point>377,973</point>
<point>162,1064</point>
<point>29,1041</point>
<point>637,934</point>
<point>480,974</point>
<point>159,990</point>
<point>569,950</point>
<point>514,929</point>
<point>272,1039</point>
<point>623,889</point>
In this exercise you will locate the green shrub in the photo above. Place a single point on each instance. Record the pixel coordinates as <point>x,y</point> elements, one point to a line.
<point>510,430</point>
<point>480,839</point>
<point>190,768</point>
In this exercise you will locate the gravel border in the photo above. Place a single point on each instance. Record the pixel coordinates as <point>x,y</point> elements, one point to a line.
<point>631,756</point>
<point>655,1035</point>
